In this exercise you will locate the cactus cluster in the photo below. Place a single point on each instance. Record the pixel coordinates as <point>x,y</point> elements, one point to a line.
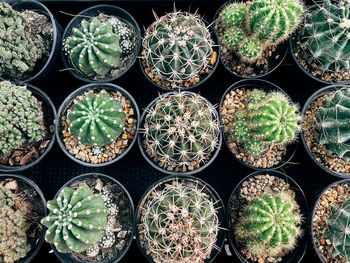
<point>269,119</point>
<point>326,36</point>
<point>269,225</point>
<point>96,119</point>
<point>76,220</point>
<point>21,45</point>
<point>181,131</point>
<point>252,27</point>
<point>178,223</point>
<point>21,118</point>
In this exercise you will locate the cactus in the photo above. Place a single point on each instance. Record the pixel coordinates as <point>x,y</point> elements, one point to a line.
<point>326,36</point>
<point>269,225</point>
<point>250,50</point>
<point>76,220</point>
<point>127,37</point>
<point>234,14</point>
<point>177,47</point>
<point>233,37</point>
<point>179,223</point>
<point>21,118</point>
<point>93,48</point>
<point>96,119</point>
<point>332,123</point>
<point>181,130</point>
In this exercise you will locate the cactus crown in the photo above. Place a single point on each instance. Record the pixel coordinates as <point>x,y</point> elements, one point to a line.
<point>270,224</point>
<point>179,223</point>
<point>21,118</point>
<point>76,220</point>
<point>96,119</point>
<point>181,131</point>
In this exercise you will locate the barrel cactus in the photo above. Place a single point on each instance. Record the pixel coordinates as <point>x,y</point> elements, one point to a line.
<point>76,220</point>
<point>96,119</point>
<point>179,223</point>
<point>269,225</point>
<point>181,131</point>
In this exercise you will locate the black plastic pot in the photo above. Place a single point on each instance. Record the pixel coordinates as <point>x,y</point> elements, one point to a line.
<point>212,194</point>
<point>67,257</point>
<point>298,253</point>
<point>312,98</point>
<point>49,116</point>
<point>45,68</point>
<point>277,59</point>
<point>268,87</point>
<point>92,12</point>
<point>29,184</point>
<point>153,163</point>
<point>67,103</point>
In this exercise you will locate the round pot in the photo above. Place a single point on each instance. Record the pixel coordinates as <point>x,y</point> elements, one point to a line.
<point>208,189</point>
<point>67,103</point>
<point>298,253</point>
<point>153,163</point>
<point>92,12</point>
<point>29,184</point>
<point>276,60</point>
<point>67,257</point>
<point>268,87</point>
<point>45,68</point>
<point>50,116</point>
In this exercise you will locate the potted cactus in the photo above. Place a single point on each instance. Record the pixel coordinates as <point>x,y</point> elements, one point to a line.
<point>22,206</point>
<point>180,133</point>
<point>178,51</point>
<point>320,47</point>
<point>252,34</point>
<point>261,123</point>
<point>101,43</point>
<point>97,124</point>
<point>90,220</point>
<point>26,126</point>
<point>180,219</point>
<point>266,219</point>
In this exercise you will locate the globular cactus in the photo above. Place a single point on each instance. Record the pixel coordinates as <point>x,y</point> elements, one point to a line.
<point>127,36</point>
<point>76,220</point>
<point>21,118</point>
<point>326,36</point>
<point>233,37</point>
<point>332,123</point>
<point>181,131</point>
<point>179,223</point>
<point>93,48</point>
<point>269,225</point>
<point>96,119</point>
<point>234,14</point>
<point>177,47</point>
<point>250,49</point>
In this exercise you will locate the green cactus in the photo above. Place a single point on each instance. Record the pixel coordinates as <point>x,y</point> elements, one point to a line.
<point>233,37</point>
<point>332,123</point>
<point>21,118</point>
<point>240,129</point>
<point>179,223</point>
<point>250,50</point>
<point>269,225</point>
<point>255,147</point>
<point>181,129</point>
<point>234,14</point>
<point>96,119</point>
<point>93,48</point>
<point>76,220</point>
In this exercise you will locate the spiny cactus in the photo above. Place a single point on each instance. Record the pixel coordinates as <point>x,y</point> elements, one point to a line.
<point>93,48</point>
<point>181,131</point>
<point>177,47</point>
<point>269,225</point>
<point>127,37</point>
<point>326,36</point>
<point>21,118</point>
<point>96,119</point>
<point>250,49</point>
<point>179,223</point>
<point>76,220</point>
<point>234,14</point>
<point>332,123</point>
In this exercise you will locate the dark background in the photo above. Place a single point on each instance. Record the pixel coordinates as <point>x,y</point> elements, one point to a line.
<point>133,171</point>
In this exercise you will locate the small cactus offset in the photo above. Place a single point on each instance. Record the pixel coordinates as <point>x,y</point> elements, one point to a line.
<point>97,119</point>
<point>179,223</point>
<point>76,220</point>
<point>234,14</point>
<point>269,225</point>
<point>181,131</point>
